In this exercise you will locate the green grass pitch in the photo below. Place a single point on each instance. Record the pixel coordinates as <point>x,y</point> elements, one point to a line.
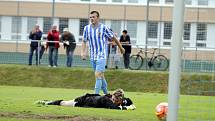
<point>17,103</point>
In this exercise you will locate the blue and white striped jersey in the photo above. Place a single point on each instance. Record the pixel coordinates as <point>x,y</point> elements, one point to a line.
<point>97,37</point>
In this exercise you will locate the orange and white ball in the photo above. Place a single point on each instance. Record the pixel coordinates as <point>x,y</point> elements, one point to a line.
<point>161,110</point>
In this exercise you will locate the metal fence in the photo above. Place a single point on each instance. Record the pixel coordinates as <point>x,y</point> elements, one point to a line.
<point>149,28</point>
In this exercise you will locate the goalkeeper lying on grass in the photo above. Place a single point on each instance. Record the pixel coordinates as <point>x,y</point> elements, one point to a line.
<point>109,101</point>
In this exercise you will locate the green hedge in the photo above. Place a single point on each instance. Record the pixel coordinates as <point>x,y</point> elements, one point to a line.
<point>83,78</point>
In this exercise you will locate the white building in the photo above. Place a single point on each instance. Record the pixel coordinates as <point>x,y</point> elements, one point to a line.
<point>18,17</point>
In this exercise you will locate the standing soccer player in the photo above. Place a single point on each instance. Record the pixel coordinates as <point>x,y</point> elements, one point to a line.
<point>97,34</point>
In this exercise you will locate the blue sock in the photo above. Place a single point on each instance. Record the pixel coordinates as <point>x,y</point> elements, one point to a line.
<point>98,86</point>
<point>104,86</point>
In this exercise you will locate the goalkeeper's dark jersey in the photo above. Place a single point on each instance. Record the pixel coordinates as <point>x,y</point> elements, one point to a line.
<point>96,101</point>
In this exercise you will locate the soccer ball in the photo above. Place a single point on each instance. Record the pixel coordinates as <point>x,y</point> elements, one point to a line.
<point>161,111</point>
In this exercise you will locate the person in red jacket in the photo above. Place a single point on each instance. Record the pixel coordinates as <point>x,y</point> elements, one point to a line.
<point>53,45</point>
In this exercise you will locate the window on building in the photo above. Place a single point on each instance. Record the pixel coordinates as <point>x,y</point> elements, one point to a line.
<point>116,27</point>
<point>167,30</point>
<point>16,28</point>
<point>187,31</point>
<point>16,24</point>
<point>0,24</point>
<point>169,1</point>
<point>100,0</point>
<point>186,44</point>
<point>83,23</point>
<point>117,1</point>
<point>47,23</point>
<point>132,1</point>
<point>167,43</point>
<point>0,27</point>
<point>32,21</point>
<point>152,29</point>
<point>152,43</point>
<point>102,21</point>
<point>202,2</point>
<point>201,45</point>
<point>154,1</point>
<point>201,34</point>
<point>63,23</point>
<point>132,28</point>
<point>188,2</point>
<point>16,37</point>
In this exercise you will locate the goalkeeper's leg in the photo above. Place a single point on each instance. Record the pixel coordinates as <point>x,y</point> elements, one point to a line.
<point>68,103</point>
<point>62,103</point>
<point>56,102</point>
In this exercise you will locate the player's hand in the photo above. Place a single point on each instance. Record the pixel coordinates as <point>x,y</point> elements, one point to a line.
<point>33,31</point>
<point>46,47</point>
<point>83,57</point>
<point>131,107</point>
<point>122,50</point>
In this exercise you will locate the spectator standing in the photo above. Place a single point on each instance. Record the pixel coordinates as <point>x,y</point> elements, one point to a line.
<point>116,56</point>
<point>111,44</point>
<point>69,43</point>
<point>113,57</point>
<point>42,49</point>
<point>97,35</point>
<point>53,45</point>
<point>126,44</point>
<point>35,36</point>
<point>108,53</point>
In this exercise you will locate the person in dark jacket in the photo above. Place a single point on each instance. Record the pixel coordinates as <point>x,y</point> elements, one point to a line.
<point>53,45</point>
<point>35,35</point>
<point>126,44</point>
<point>69,43</point>
<point>109,101</point>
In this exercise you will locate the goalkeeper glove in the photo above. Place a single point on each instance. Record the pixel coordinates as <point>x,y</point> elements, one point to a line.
<point>131,107</point>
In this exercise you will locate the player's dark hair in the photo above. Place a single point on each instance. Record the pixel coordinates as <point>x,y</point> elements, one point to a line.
<point>125,31</point>
<point>92,12</point>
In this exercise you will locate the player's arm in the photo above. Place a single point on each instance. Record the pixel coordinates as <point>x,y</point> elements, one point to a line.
<point>108,103</point>
<point>130,107</point>
<point>84,50</point>
<point>111,105</point>
<point>84,45</point>
<point>122,50</point>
